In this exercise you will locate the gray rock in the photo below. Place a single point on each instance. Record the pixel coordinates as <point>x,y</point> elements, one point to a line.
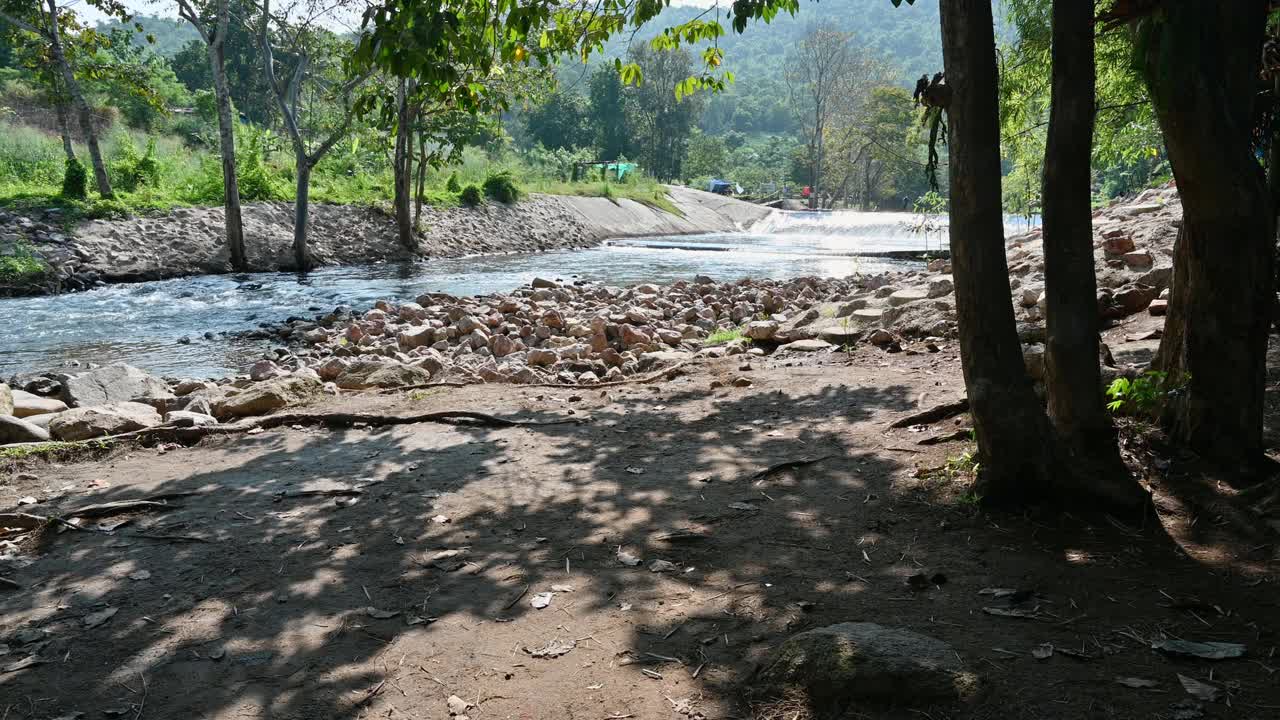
<point>810,345</point>
<point>112,384</point>
<point>839,665</point>
<point>940,286</point>
<point>266,397</point>
<point>762,329</point>
<point>6,400</point>
<point>90,422</point>
<point>365,374</point>
<point>1033,359</point>
<point>186,418</point>
<point>16,430</point>
<point>908,295</point>
<point>27,405</point>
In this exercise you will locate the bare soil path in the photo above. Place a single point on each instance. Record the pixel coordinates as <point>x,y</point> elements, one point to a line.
<point>264,600</point>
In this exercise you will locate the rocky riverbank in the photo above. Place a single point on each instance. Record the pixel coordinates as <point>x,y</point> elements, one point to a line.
<point>189,241</point>
<point>586,334</point>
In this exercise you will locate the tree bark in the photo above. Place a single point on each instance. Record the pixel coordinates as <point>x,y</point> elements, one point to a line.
<point>1072,378</point>
<point>301,208</point>
<point>83,112</point>
<point>233,225</point>
<point>1014,442</point>
<point>403,165</point>
<point>64,128</point>
<point>1201,65</point>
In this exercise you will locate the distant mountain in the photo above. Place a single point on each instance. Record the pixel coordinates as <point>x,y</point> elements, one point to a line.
<point>171,34</point>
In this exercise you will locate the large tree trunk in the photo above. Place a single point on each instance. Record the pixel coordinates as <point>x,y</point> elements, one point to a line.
<point>1072,377</point>
<point>301,208</point>
<point>83,112</point>
<point>1201,65</point>
<point>402,165</point>
<point>1014,441</point>
<point>233,224</point>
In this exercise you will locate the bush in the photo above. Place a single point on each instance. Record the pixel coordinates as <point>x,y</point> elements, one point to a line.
<point>501,187</point>
<point>453,185</point>
<point>75,180</point>
<point>131,172</point>
<point>471,195</point>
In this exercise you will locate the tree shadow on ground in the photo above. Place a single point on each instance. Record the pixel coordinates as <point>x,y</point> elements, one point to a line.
<point>282,613</point>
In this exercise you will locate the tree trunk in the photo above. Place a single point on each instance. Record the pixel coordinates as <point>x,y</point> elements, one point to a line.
<point>418,196</point>
<point>1072,377</point>
<point>403,166</point>
<point>233,224</point>
<point>301,206</point>
<point>1201,65</point>
<point>64,128</point>
<point>83,112</point>
<point>1014,442</point>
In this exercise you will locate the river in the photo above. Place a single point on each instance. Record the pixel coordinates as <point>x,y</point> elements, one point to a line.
<point>143,323</point>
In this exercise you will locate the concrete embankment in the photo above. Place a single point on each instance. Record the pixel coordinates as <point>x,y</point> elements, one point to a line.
<point>190,241</point>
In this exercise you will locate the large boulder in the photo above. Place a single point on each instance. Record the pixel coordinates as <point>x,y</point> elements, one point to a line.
<point>364,374</point>
<point>27,405</point>
<point>16,430</point>
<point>908,295</point>
<point>843,664</point>
<point>762,329</point>
<point>268,396</point>
<point>90,422</point>
<point>6,400</point>
<point>112,384</point>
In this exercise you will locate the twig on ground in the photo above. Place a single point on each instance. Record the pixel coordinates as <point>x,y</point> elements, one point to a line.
<point>787,465</point>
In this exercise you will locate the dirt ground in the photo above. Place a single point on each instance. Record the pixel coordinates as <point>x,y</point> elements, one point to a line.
<point>251,601</point>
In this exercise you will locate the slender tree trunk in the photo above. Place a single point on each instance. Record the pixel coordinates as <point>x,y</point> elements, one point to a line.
<point>233,225</point>
<point>83,112</point>
<point>1201,66</point>
<point>301,208</point>
<point>1072,377</point>
<point>422,184</point>
<point>64,128</point>
<point>403,166</point>
<point>1014,441</point>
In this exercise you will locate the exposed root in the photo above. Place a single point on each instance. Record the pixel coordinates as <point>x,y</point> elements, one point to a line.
<point>652,377</point>
<point>933,414</point>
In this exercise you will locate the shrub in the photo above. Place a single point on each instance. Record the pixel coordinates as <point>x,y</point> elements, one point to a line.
<point>130,171</point>
<point>501,187</point>
<point>75,180</point>
<point>471,195</point>
<point>453,185</point>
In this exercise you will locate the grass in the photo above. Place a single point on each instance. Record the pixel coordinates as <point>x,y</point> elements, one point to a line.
<point>721,337</point>
<point>32,161</point>
<point>21,265</point>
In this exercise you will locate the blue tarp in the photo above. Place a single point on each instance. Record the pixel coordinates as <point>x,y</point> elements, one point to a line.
<point>722,187</point>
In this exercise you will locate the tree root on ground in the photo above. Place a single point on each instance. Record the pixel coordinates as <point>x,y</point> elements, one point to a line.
<point>933,414</point>
<point>652,377</point>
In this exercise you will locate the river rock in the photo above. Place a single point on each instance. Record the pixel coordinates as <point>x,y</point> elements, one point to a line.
<point>186,418</point>
<point>332,368</point>
<point>416,337</point>
<point>6,400</point>
<point>26,405</point>
<point>85,423</point>
<point>1117,243</point>
<point>501,346</point>
<point>364,374</point>
<point>762,329</point>
<point>1138,260</point>
<point>112,384</point>
<point>1033,359</point>
<point>266,397</point>
<point>1158,307</point>
<point>840,665</point>
<point>1132,299</point>
<point>940,286</point>
<point>809,345</point>
<point>908,295</point>
<point>631,336</point>
<point>16,430</point>
<point>544,284</point>
<point>265,370</point>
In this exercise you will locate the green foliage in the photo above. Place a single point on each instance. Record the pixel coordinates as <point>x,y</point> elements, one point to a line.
<point>1143,395</point>
<point>452,184</point>
<point>501,186</point>
<point>721,337</point>
<point>128,170</point>
<point>471,196</point>
<point>75,180</point>
<point>20,265</point>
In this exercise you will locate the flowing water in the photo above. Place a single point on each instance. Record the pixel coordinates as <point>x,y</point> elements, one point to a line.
<point>142,323</point>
